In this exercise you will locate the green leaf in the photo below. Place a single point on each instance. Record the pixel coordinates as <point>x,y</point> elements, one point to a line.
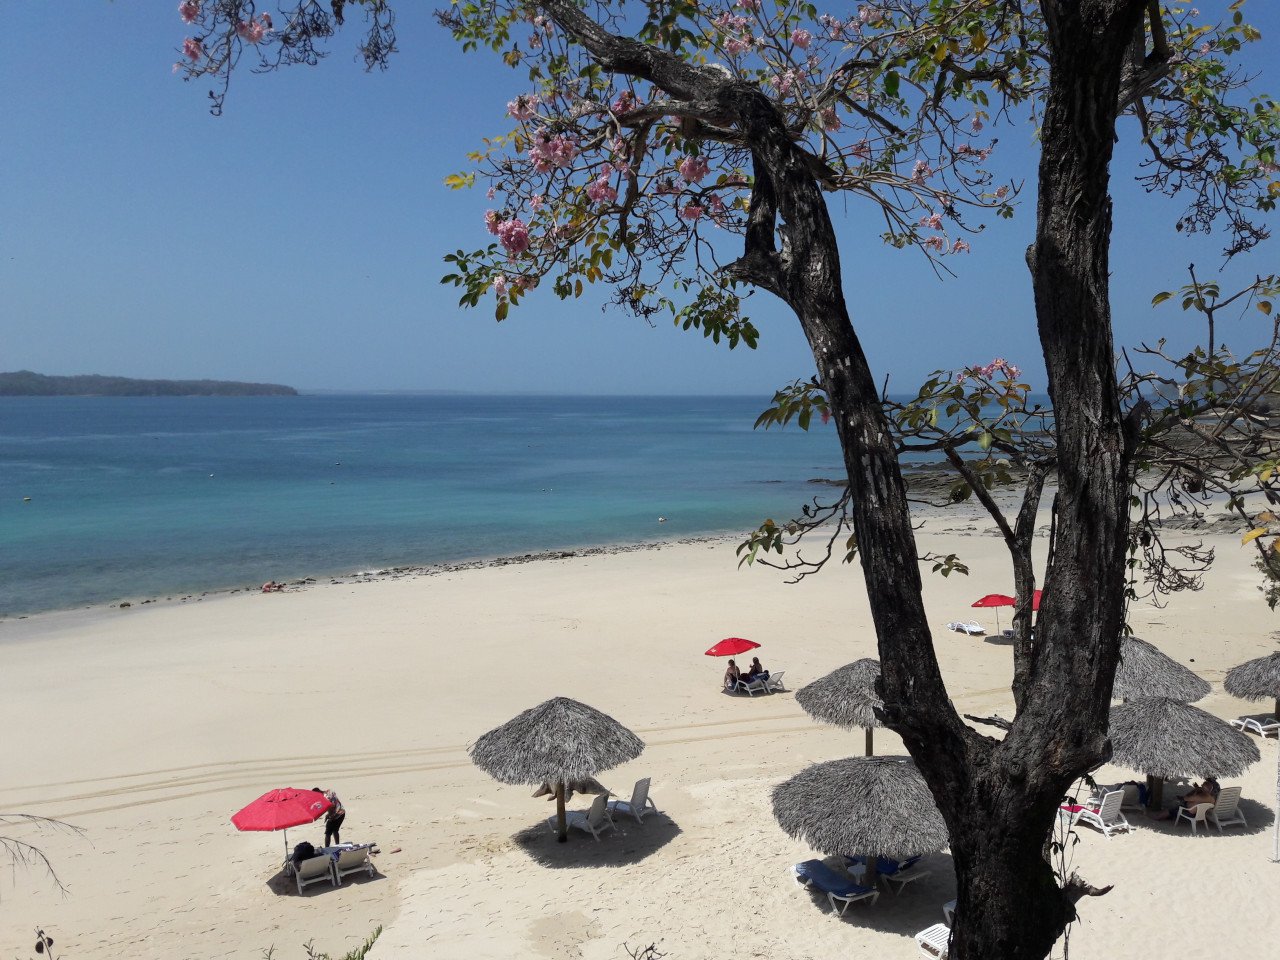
<point>1161,297</point>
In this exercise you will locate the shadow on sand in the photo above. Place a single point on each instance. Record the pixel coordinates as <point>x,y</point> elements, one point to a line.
<point>1260,818</point>
<point>283,885</point>
<point>629,842</point>
<point>917,907</point>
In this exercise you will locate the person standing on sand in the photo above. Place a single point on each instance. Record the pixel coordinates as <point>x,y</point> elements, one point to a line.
<point>333,817</point>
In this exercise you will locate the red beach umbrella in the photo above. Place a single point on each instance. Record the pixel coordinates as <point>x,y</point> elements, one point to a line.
<point>282,809</point>
<point>995,600</point>
<point>731,647</point>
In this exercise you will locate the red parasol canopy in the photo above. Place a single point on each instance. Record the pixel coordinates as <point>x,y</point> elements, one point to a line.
<point>281,809</point>
<point>731,647</point>
<point>994,600</point>
<point>1000,600</point>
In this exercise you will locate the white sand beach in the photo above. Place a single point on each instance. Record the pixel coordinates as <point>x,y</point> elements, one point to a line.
<point>148,727</point>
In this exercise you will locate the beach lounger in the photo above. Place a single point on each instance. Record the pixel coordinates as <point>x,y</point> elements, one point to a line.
<point>949,911</point>
<point>1132,799</point>
<point>1264,726</point>
<point>1226,812</point>
<point>355,860</point>
<point>314,870</point>
<point>891,871</point>
<point>839,889</point>
<point>972,627</point>
<point>752,687</point>
<point>595,821</point>
<point>1106,818</point>
<point>934,941</point>
<point>1194,816</point>
<point>639,806</point>
<point>774,681</point>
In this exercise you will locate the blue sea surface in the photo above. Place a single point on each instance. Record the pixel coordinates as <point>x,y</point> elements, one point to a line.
<point>155,496</point>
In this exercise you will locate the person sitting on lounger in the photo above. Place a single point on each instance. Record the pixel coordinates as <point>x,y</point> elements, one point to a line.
<point>1206,792</point>
<point>731,676</point>
<point>757,672</point>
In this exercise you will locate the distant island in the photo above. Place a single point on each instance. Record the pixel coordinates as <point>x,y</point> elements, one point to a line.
<point>24,383</point>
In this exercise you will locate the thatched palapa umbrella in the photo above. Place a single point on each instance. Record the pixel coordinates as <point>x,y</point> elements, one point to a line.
<point>872,806</point>
<point>845,697</point>
<point>1259,680</point>
<point>1256,680</point>
<point>1145,671</point>
<point>555,742</point>
<point>1166,738</point>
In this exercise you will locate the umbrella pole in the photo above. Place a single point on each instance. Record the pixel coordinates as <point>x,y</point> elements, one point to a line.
<point>561,824</point>
<point>869,874</point>
<point>1155,792</point>
<point>870,750</point>
<point>286,844</point>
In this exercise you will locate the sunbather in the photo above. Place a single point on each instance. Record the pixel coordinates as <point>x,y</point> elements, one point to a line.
<point>1206,792</point>
<point>756,672</point>
<point>731,676</point>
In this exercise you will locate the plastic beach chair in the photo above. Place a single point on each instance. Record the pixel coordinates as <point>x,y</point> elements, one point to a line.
<point>595,821</point>
<point>1106,818</point>
<point>774,681</point>
<point>1264,726</point>
<point>934,941</point>
<point>839,889</point>
<point>752,687</point>
<point>314,870</point>
<point>354,860</point>
<point>639,806</point>
<point>1226,812</point>
<point>971,627</point>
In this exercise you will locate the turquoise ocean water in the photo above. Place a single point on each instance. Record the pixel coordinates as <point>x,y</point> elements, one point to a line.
<point>143,497</point>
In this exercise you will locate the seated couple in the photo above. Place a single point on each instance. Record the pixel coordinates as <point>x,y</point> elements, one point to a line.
<point>1206,792</point>
<point>733,676</point>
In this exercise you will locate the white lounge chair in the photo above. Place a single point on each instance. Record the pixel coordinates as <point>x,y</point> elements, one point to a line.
<point>906,871</point>
<point>934,941</point>
<point>971,627</point>
<point>1132,799</point>
<point>639,806</point>
<point>949,911</point>
<point>314,870</point>
<point>774,681</point>
<point>1226,812</point>
<point>595,821</point>
<point>1107,817</point>
<point>1195,815</point>
<point>356,860</point>
<point>839,888</point>
<point>752,687</point>
<point>1264,726</point>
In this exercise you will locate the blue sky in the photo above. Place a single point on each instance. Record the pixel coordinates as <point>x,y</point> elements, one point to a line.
<point>298,239</point>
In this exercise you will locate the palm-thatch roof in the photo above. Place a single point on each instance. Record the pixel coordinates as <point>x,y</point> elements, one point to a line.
<point>1144,671</point>
<point>1168,738</point>
<point>560,740</point>
<point>869,806</point>
<point>1255,679</point>
<point>845,697</point>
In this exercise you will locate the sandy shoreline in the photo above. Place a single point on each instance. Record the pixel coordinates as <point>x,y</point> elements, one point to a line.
<point>149,726</point>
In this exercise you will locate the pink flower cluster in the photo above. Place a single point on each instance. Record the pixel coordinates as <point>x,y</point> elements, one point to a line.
<point>252,31</point>
<point>523,107</point>
<point>960,246</point>
<point>514,236</point>
<point>786,81</point>
<point>801,38</point>
<point>694,169</point>
<point>748,4</point>
<point>933,221</point>
<point>965,150</point>
<point>192,49</point>
<point>550,153</point>
<point>830,120</point>
<point>920,171</point>
<point>691,211</point>
<point>601,191</point>
<point>998,365</point>
<point>869,14</point>
<point>624,104</point>
<point>188,10</point>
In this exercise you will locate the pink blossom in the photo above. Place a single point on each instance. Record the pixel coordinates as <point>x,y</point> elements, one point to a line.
<point>1204,47</point>
<point>548,153</point>
<point>1001,192</point>
<point>868,14</point>
<point>833,25</point>
<point>500,285</point>
<point>801,38</point>
<point>188,10</point>
<point>536,201</point>
<point>960,246</point>
<point>514,236</point>
<point>920,171</point>
<point>491,221</point>
<point>964,149</point>
<point>734,47</point>
<point>192,49</point>
<point>691,211</point>
<point>667,187</point>
<point>933,221</point>
<point>1266,167</point>
<point>625,103</point>
<point>524,106</point>
<point>535,41</point>
<point>601,191</point>
<point>252,31</point>
<point>491,193</point>
<point>785,82</point>
<point>976,123</point>
<point>694,169</point>
<point>826,416</point>
<point>831,119</point>
<point>861,150</point>
<point>936,243</point>
<point>526,283</point>
<point>1195,12</point>
<point>716,209</point>
<point>748,4</point>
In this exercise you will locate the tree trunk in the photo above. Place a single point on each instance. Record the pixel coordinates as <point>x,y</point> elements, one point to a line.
<point>870,742</point>
<point>562,823</point>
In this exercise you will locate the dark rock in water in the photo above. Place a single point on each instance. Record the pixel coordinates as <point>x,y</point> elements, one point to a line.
<point>124,604</point>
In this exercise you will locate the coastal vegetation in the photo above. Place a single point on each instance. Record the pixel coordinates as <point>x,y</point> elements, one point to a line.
<point>24,383</point>
<point>657,136</point>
